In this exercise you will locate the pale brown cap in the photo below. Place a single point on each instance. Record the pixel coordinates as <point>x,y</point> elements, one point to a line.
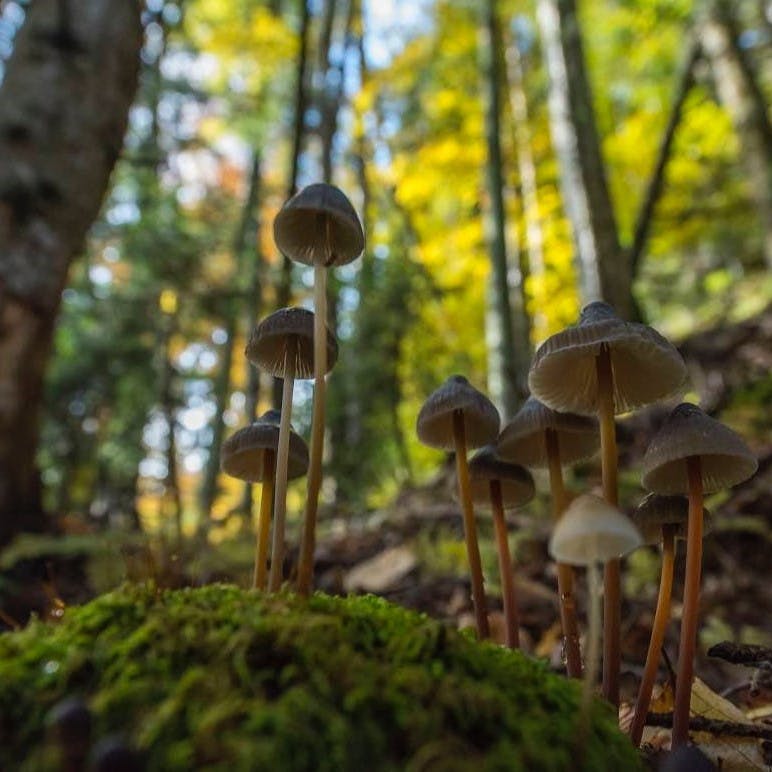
<point>725,459</point>
<point>319,220</point>
<point>267,346</point>
<point>523,439</point>
<point>435,420</point>
<point>656,511</point>
<point>517,486</point>
<point>646,367</point>
<point>592,531</point>
<point>242,453</point>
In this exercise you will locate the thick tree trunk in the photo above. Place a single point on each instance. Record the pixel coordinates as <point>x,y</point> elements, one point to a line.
<point>738,89</point>
<point>63,111</point>
<point>512,354</point>
<point>604,269</point>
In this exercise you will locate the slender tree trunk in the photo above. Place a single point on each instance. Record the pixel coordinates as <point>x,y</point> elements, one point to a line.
<point>738,89</point>
<point>284,286</point>
<point>511,323</point>
<point>604,270</point>
<point>222,385</point>
<point>64,105</point>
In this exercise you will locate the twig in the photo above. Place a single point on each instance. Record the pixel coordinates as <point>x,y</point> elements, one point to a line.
<point>713,726</point>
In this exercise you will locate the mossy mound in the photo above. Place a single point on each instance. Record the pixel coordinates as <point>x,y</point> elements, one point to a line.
<point>221,678</point>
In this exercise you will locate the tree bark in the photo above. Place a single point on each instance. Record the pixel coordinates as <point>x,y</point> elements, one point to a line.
<point>511,323</point>
<point>64,106</point>
<point>604,269</point>
<point>739,90</point>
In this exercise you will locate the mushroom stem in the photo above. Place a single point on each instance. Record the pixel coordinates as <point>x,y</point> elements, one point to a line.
<point>661,619</point>
<point>470,527</point>
<point>593,649</point>
<point>282,460</point>
<point>566,597</point>
<point>308,542</point>
<point>612,598</point>
<point>264,520</point>
<point>691,602</point>
<point>508,596</point>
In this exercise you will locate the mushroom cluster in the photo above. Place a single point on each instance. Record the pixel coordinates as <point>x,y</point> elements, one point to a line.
<point>317,227</point>
<point>580,379</point>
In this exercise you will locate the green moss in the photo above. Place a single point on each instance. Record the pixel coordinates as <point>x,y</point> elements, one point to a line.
<point>220,678</point>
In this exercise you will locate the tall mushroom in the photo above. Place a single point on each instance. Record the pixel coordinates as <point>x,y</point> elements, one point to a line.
<point>317,227</point>
<point>250,454</point>
<point>539,437</point>
<point>455,417</point>
<point>606,366</point>
<point>693,454</point>
<point>282,345</point>
<point>660,519</point>
<point>502,486</point>
<point>592,532</point>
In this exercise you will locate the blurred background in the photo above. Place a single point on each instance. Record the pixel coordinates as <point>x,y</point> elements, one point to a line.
<point>510,161</point>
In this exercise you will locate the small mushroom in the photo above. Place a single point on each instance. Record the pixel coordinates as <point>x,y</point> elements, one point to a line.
<point>605,366</point>
<point>539,437</point>
<point>454,417</point>
<point>283,345</point>
<point>693,454</point>
<point>592,532</point>
<point>660,519</point>
<point>317,227</point>
<point>502,486</point>
<point>70,723</point>
<point>250,455</point>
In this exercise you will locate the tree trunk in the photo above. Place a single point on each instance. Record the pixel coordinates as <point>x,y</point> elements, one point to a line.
<point>604,270</point>
<point>512,353</point>
<point>738,89</point>
<point>64,105</point>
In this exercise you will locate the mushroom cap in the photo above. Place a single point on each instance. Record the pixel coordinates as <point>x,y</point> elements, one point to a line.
<point>319,219</point>
<point>725,459</point>
<point>523,439</point>
<point>242,453</point>
<point>517,486</point>
<point>267,345</point>
<point>434,425</point>
<point>656,511</point>
<point>592,531</point>
<point>646,367</point>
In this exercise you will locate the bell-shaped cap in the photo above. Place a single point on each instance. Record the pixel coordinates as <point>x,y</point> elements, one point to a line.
<point>516,483</point>
<point>656,511</point>
<point>645,366</point>
<point>592,531</point>
<point>243,453</point>
<point>319,222</point>
<point>269,341</point>
<point>523,440</point>
<point>434,425</point>
<point>725,459</point>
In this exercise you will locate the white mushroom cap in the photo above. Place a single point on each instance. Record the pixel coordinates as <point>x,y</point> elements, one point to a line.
<point>592,531</point>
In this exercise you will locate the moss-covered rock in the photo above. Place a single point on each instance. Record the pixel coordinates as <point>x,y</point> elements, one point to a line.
<point>220,678</point>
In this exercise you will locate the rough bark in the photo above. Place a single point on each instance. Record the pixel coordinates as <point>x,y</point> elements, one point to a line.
<point>511,324</point>
<point>603,267</point>
<point>739,90</point>
<point>63,111</point>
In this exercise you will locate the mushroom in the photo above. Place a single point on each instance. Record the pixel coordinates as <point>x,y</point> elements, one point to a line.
<point>591,532</point>
<point>454,417</point>
<point>539,437</point>
<point>502,486</point>
<point>282,345</point>
<point>660,519</point>
<point>250,454</point>
<point>693,454</point>
<point>318,227</point>
<point>604,365</point>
